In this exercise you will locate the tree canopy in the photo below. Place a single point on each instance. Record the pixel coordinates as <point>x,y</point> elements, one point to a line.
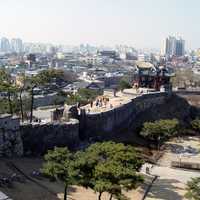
<point>123,84</point>
<point>47,76</point>
<point>193,189</point>
<point>13,104</point>
<point>83,96</point>
<point>43,78</point>
<point>103,167</point>
<point>57,166</point>
<point>108,167</point>
<point>160,129</point>
<point>196,124</point>
<point>8,87</point>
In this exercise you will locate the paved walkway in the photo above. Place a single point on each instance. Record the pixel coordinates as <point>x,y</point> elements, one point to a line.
<point>120,99</point>
<point>4,196</point>
<point>180,175</point>
<point>171,182</point>
<point>167,189</point>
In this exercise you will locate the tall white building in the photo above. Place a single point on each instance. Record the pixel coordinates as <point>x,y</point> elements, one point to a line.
<point>5,45</point>
<point>173,47</point>
<point>16,45</point>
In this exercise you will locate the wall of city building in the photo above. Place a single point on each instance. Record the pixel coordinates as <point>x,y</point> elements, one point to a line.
<point>173,47</point>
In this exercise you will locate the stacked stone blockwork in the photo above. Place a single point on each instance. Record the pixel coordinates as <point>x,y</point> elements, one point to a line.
<point>10,137</point>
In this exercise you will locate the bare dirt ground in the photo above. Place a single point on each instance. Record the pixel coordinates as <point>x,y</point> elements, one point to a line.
<point>45,190</point>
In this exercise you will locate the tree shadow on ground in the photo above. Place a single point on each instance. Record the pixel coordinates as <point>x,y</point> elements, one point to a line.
<point>179,149</point>
<point>175,148</point>
<point>166,189</point>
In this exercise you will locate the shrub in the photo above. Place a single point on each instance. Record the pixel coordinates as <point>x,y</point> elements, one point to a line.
<point>196,124</point>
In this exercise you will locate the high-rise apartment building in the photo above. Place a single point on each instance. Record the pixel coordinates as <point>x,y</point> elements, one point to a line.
<point>173,47</point>
<point>16,45</point>
<point>5,45</point>
<point>180,47</point>
<point>169,46</point>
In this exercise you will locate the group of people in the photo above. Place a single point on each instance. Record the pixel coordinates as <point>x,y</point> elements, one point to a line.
<point>148,168</point>
<point>100,102</point>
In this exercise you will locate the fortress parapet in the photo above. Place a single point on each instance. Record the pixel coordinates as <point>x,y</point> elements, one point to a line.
<point>10,137</point>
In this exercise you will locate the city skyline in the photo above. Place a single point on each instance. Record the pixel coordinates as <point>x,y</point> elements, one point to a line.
<point>17,45</point>
<point>141,24</point>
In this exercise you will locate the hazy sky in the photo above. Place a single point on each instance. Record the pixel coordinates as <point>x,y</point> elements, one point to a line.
<point>140,23</point>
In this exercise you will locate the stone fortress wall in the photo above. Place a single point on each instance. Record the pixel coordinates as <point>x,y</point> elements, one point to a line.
<point>38,138</point>
<point>10,137</point>
<point>17,140</point>
<point>119,118</point>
